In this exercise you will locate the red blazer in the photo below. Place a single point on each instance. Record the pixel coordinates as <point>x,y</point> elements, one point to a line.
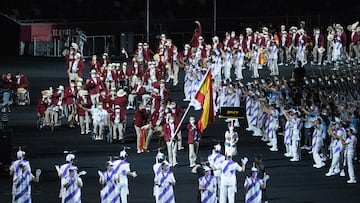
<point>154,118</point>
<point>122,102</point>
<point>157,74</point>
<point>7,83</point>
<point>113,74</point>
<point>321,40</point>
<point>148,54</point>
<point>355,38</point>
<point>94,65</point>
<point>165,93</point>
<point>70,95</point>
<point>69,59</point>
<point>194,39</point>
<point>192,131</point>
<point>94,88</point>
<point>41,106</point>
<point>83,103</point>
<point>139,118</point>
<point>139,91</point>
<point>79,67</point>
<point>106,102</point>
<point>21,82</point>
<point>113,115</point>
<point>157,100</point>
<point>167,131</point>
<point>121,75</point>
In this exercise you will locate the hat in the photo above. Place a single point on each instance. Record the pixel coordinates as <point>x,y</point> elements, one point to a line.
<point>215,38</point>
<point>354,131</point>
<point>217,147</point>
<point>73,168</point>
<point>254,169</point>
<point>45,93</point>
<point>165,163</point>
<point>123,153</point>
<point>70,157</point>
<point>120,93</point>
<point>187,46</point>
<point>93,71</point>
<point>248,29</point>
<point>337,120</point>
<point>109,163</point>
<point>156,91</point>
<point>61,87</point>
<point>160,155</point>
<point>75,46</point>
<point>20,154</point>
<point>117,106</point>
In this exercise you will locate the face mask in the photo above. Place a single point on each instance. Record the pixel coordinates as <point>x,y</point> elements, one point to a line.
<point>100,107</point>
<point>71,52</point>
<point>166,110</point>
<point>93,75</point>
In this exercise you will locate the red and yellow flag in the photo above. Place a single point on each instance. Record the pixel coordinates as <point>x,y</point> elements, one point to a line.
<point>205,97</point>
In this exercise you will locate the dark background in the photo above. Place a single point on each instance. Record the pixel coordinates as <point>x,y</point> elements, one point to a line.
<point>173,17</point>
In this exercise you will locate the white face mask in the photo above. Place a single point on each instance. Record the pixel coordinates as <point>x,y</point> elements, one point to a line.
<point>100,106</point>
<point>93,75</point>
<point>192,121</point>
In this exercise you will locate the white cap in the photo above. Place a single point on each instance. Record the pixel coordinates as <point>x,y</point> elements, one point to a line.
<point>206,168</point>
<point>20,154</point>
<point>160,155</point>
<point>123,153</point>
<point>217,147</point>
<point>70,157</point>
<point>253,169</point>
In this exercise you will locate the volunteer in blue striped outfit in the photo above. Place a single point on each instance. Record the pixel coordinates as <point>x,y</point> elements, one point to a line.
<point>122,169</point>
<point>215,159</point>
<point>228,184</point>
<point>21,191</point>
<point>63,172</point>
<point>350,148</point>
<point>109,180</point>
<point>253,186</point>
<point>207,187</point>
<point>317,142</point>
<point>73,184</point>
<point>165,180</point>
<point>160,157</point>
<point>337,134</point>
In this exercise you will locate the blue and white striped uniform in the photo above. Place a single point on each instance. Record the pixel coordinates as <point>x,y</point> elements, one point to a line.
<point>166,192</point>
<point>64,173</point>
<point>109,192</point>
<point>121,168</point>
<point>72,193</point>
<point>22,186</point>
<point>208,195</point>
<point>253,191</point>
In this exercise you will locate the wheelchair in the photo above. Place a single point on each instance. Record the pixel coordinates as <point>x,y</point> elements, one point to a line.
<point>16,97</point>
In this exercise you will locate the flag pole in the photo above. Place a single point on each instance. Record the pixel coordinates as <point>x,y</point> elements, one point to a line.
<point>189,105</point>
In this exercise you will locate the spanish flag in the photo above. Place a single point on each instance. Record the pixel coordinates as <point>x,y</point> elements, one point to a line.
<point>205,98</point>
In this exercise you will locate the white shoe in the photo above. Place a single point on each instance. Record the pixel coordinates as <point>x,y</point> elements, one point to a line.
<point>248,129</point>
<point>310,152</point>
<point>293,159</point>
<point>269,144</point>
<point>330,174</point>
<point>273,149</point>
<point>351,181</point>
<point>287,155</point>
